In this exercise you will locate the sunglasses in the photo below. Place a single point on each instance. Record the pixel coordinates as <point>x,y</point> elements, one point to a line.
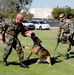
<point>61,17</point>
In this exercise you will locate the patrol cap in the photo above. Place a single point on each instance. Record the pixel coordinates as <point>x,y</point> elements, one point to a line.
<point>61,15</point>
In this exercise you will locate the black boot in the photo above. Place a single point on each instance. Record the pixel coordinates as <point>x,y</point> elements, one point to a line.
<point>5,62</point>
<point>67,57</point>
<point>23,65</point>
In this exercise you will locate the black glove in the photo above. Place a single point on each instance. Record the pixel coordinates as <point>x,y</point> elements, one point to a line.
<point>58,40</point>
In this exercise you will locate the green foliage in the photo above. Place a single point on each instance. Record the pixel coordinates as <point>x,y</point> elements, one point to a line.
<point>7,6</point>
<point>66,10</point>
<point>11,6</point>
<point>56,12</point>
<point>72,11</point>
<point>12,15</point>
<point>2,15</point>
<point>28,16</point>
<point>72,19</point>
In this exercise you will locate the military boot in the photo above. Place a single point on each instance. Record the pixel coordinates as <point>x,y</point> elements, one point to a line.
<point>23,65</point>
<point>5,62</point>
<point>67,57</point>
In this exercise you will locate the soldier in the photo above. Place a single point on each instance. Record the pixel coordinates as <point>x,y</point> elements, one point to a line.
<point>67,26</point>
<point>12,29</point>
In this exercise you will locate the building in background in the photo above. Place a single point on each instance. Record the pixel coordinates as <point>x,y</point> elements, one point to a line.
<point>43,13</point>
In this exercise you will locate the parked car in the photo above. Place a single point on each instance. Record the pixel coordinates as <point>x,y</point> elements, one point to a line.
<point>29,25</point>
<point>1,21</point>
<point>40,24</point>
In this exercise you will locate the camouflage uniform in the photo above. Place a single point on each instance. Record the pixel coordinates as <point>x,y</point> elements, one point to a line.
<point>10,35</point>
<point>2,31</point>
<point>67,27</point>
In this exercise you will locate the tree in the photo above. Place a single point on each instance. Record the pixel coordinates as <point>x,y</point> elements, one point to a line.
<point>8,6</point>
<point>28,16</point>
<point>25,5</point>
<point>66,10</point>
<point>11,7</point>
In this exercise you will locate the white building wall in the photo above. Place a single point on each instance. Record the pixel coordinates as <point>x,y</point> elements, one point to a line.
<point>41,12</point>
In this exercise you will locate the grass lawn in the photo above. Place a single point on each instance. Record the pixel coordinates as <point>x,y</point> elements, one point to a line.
<point>48,37</point>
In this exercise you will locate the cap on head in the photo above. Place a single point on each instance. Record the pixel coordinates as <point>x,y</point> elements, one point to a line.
<point>61,15</point>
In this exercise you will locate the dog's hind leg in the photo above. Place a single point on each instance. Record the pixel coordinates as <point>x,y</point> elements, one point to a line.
<point>38,61</point>
<point>49,60</point>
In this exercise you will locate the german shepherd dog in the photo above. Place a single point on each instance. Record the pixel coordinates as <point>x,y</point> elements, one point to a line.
<point>39,50</point>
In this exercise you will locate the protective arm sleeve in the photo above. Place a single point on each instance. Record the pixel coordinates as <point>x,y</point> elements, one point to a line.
<point>71,28</point>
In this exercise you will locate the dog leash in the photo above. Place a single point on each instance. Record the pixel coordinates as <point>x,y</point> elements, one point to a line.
<point>57,52</point>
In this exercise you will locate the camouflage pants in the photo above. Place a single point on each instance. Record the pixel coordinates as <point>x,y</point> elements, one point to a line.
<point>13,43</point>
<point>64,41</point>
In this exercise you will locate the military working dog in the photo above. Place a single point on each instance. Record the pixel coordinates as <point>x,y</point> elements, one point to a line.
<point>39,50</point>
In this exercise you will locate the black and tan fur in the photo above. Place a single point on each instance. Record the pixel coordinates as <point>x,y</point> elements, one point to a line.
<point>39,50</point>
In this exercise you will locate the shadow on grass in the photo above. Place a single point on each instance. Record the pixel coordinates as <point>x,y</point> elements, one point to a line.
<point>27,62</point>
<point>54,60</point>
<point>1,61</point>
<point>72,53</point>
<point>71,57</point>
<point>33,61</point>
<point>13,63</point>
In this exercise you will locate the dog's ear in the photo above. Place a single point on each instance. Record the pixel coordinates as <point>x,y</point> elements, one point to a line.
<point>40,41</point>
<point>33,34</point>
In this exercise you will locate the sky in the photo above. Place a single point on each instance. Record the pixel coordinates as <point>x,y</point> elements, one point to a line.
<point>52,3</point>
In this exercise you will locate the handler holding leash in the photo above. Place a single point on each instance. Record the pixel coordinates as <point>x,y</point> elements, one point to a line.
<point>10,37</point>
<point>67,26</point>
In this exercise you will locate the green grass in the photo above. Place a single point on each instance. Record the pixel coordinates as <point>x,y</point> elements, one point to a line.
<point>48,37</point>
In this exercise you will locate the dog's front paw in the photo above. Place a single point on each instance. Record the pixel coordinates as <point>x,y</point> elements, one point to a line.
<point>36,63</point>
<point>49,65</point>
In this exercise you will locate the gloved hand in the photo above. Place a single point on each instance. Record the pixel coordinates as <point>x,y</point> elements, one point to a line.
<point>58,40</point>
<point>67,35</point>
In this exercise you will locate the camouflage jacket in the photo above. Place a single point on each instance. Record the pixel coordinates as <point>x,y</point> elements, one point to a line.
<point>11,30</point>
<point>66,26</point>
